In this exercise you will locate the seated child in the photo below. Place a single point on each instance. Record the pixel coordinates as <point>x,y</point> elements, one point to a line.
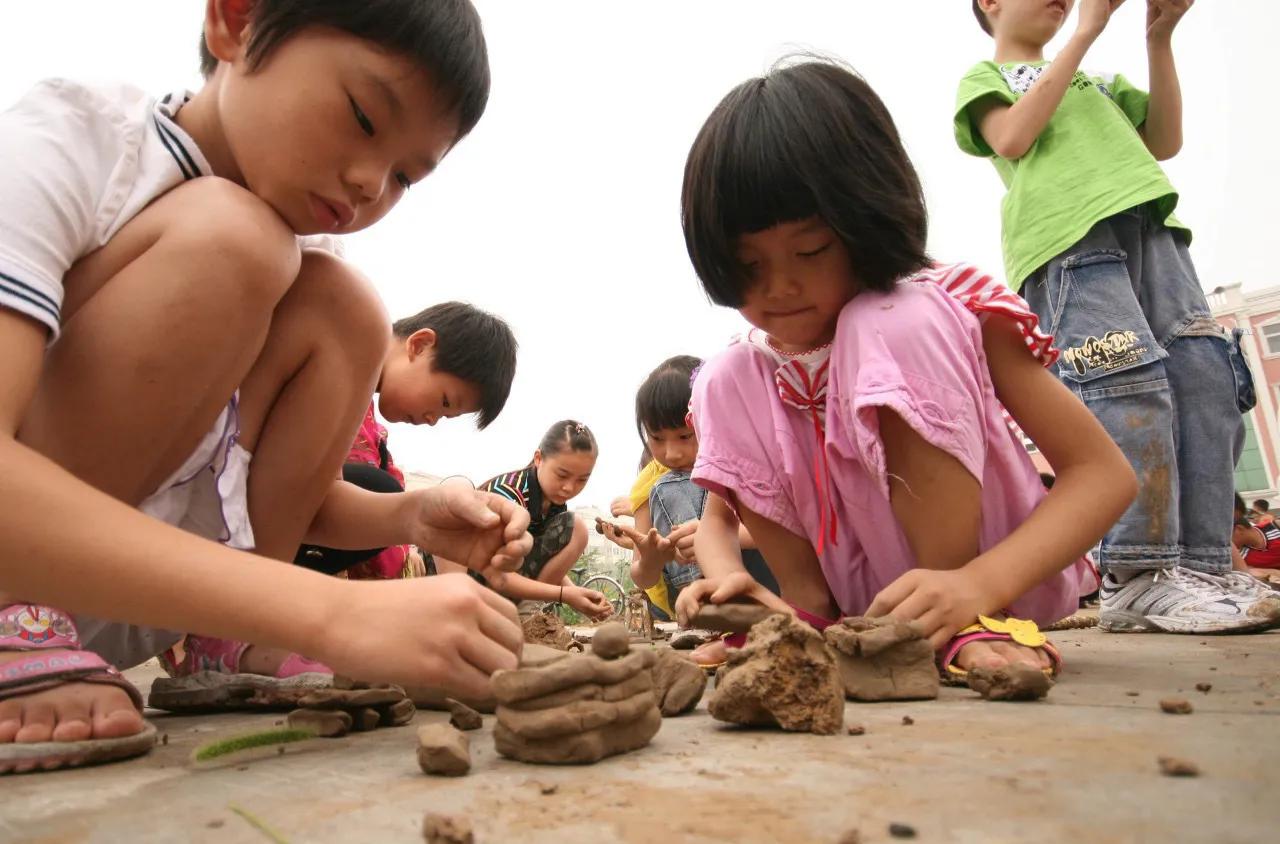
<point>665,561</point>
<point>161,324</point>
<point>1258,545</point>
<point>446,361</point>
<point>858,430</point>
<point>561,466</point>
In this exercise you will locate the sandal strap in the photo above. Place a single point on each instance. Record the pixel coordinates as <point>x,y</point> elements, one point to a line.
<point>30,627</point>
<point>1022,631</point>
<point>37,672</point>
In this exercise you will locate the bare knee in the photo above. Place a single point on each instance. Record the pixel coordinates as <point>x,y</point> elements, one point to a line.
<point>341,308</point>
<point>214,221</point>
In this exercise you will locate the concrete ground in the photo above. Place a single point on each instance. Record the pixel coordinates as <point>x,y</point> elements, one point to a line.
<point>1078,767</point>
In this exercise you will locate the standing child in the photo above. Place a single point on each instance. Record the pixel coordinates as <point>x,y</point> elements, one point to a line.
<point>858,431</point>
<point>1091,241</point>
<point>561,466</point>
<point>173,355</point>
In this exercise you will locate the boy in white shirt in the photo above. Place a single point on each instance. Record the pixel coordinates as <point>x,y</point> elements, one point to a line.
<point>168,345</point>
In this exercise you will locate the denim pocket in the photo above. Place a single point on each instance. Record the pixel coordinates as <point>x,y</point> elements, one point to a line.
<point>1097,322</point>
<point>1246,395</point>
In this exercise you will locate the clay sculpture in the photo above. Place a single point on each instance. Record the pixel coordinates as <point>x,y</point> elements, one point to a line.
<point>543,629</point>
<point>364,708</point>
<point>785,677</point>
<point>563,708</point>
<point>678,683</point>
<point>883,659</point>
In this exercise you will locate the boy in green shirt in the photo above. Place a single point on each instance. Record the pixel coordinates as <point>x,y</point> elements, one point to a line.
<point>1091,242</point>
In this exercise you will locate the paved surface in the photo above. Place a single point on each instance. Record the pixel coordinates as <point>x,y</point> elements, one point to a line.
<point>1078,767</point>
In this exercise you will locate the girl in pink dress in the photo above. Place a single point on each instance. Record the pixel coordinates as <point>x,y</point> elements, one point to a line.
<point>859,430</point>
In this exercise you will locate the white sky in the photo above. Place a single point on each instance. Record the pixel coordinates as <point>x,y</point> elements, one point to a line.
<point>561,211</point>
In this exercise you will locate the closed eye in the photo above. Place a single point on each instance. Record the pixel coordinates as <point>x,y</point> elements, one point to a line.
<point>366,125</point>
<point>823,248</point>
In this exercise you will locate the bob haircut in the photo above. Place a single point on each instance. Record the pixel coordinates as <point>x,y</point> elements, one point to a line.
<point>807,139</point>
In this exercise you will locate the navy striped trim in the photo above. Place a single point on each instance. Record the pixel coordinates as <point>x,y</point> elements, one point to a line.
<point>27,293</point>
<point>189,169</point>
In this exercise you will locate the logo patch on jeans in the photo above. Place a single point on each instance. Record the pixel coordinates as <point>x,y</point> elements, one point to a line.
<point>1114,350</point>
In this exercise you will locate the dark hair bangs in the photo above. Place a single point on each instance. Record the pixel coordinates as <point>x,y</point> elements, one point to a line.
<point>808,139</point>
<point>662,401</point>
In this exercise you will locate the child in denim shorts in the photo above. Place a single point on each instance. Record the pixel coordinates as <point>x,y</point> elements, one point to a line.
<point>1091,241</point>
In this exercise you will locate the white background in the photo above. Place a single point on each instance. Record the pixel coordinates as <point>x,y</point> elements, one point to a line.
<point>561,211</point>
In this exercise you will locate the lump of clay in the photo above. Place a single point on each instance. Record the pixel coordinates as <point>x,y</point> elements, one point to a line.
<point>447,829</point>
<point>575,709</point>
<point>326,723</point>
<point>784,677</point>
<point>462,716</point>
<point>678,683</point>
<point>611,641</point>
<point>883,659</point>
<point>543,629</point>
<point>730,618</point>
<point>443,750</point>
<point>1010,682</point>
<point>687,640</point>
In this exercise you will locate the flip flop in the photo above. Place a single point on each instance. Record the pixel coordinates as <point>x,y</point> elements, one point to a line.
<point>29,627</point>
<point>1017,630</point>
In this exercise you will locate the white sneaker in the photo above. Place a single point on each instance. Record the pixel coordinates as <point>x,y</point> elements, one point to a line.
<point>1243,583</point>
<point>1179,600</point>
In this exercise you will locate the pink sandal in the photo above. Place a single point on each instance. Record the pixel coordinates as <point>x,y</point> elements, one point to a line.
<point>209,679</point>
<point>30,627</point>
<point>1018,630</point>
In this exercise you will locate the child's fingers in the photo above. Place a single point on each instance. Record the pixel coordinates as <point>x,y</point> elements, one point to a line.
<point>468,680</point>
<point>890,596</point>
<point>473,509</point>
<point>690,599</point>
<point>485,653</point>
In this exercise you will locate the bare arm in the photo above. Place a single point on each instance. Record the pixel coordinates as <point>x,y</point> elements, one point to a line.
<point>1010,130</point>
<point>1094,486</point>
<point>1162,131</point>
<point>145,572</point>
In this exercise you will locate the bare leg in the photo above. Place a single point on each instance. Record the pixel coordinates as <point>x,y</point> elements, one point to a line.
<point>301,405</point>
<point>160,326</point>
<point>937,504</point>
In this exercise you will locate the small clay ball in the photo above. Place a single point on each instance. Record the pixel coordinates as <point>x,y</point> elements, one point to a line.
<point>611,640</point>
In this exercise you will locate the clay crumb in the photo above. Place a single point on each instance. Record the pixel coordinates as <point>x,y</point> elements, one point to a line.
<point>1176,706</point>
<point>902,830</point>
<point>1133,694</point>
<point>164,738</point>
<point>548,788</point>
<point>1171,766</point>
<point>447,829</point>
<point>216,823</point>
<point>907,720</point>
<point>1204,687</point>
<point>857,729</point>
<point>443,750</point>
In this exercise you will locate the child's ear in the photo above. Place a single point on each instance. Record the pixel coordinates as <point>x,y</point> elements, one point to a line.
<point>226,28</point>
<point>419,342</point>
<point>537,458</point>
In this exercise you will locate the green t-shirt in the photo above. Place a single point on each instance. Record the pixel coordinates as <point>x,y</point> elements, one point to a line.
<point>1088,164</point>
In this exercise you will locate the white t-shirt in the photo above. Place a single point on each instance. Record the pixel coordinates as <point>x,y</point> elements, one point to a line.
<point>76,164</point>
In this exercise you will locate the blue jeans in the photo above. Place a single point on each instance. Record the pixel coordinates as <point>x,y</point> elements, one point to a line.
<point>1141,350</point>
<point>674,500</point>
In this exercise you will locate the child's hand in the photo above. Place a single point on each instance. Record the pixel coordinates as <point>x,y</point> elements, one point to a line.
<point>621,506</point>
<point>681,539</point>
<point>1095,15</point>
<point>485,532</point>
<point>589,602</point>
<point>651,546</point>
<point>434,631</point>
<point>1163,16</point>
<point>941,602</point>
<point>719,590</point>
